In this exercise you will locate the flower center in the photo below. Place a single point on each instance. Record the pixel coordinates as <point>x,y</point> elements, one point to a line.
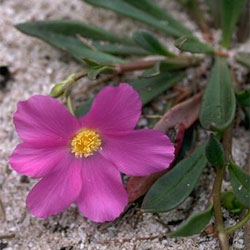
<point>85,143</point>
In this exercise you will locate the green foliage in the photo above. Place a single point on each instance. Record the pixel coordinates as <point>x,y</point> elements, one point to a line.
<point>193,45</point>
<point>231,10</point>
<point>240,181</point>
<point>195,224</point>
<point>230,202</point>
<point>159,13</point>
<point>150,43</point>
<point>243,58</point>
<point>102,50</point>
<point>215,153</point>
<point>243,98</point>
<point>218,105</point>
<point>139,12</point>
<point>175,186</point>
<point>76,39</point>
<point>148,89</point>
<point>215,11</point>
<point>95,71</point>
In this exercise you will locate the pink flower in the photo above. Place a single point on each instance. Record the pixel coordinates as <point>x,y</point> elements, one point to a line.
<point>80,160</point>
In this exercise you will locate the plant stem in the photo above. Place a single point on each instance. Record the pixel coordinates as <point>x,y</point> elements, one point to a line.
<point>2,210</point>
<point>237,226</point>
<point>217,209</point>
<point>177,61</point>
<point>222,235</point>
<point>7,236</point>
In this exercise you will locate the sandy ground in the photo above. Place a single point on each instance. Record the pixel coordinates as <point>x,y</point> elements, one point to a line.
<point>36,67</point>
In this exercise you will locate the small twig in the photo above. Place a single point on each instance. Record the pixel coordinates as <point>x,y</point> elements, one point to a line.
<point>153,116</point>
<point>183,94</point>
<point>2,211</point>
<point>132,66</point>
<point>7,236</point>
<point>160,237</point>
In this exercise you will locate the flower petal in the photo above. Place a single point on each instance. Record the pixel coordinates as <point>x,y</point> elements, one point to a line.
<point>114,110</point>
<point>42,120</point>
<point>140,152</point>
<point>36,162</point>
<point>56,191</point>
<point>103,197</point>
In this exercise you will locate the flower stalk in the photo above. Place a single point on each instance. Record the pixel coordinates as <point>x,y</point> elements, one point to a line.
<point>222,233</point>
<point>241,223</point>
<point>217,209</point>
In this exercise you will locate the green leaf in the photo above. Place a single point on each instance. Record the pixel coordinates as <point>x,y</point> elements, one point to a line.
<point>119,49</point>
<point>240,181</point>
<point>230,202</point>
<point>70,36</point>
<point>218,105</point>
<point>154,71</point>
<point>193,45</point>
<point>149,7</point>
<point>243,98</point>
<point>196,13</point>
<point>215,11</point>
<point>195,224</point>
<point>175,186</point>
<point>124,8</point>
<point>215,153</point>
<point>172,64</point>
<point>243,27</point>
<point>94,72</point>
<point>148,42</point>
<point>71,28</point>
<point>148,89</point>
<point>231,10</point>
<point>243,58</point>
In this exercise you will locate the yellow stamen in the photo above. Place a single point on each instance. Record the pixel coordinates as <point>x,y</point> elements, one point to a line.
<point>85,143</point>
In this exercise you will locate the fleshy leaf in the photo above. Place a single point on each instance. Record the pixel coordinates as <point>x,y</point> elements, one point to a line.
<point>154,71</point>
<point>193,45</point>
<point>128,9</point>
<point>175,186</point>
<point>215,153</point>
<point>94,72</point>
<point>240,181</point>
<point>243,98</point>
<point>195,224</point>
<point>243,58</point>
<point>230,202</point>
<point>159,13</point>
<point>76,39</point>
<point>215,11</point>
<point>196,13</point>
<point>231,11</point>
<point>119,49</point>
<point>148,89</point>
<point>150,43</point>
<point>218,105</point>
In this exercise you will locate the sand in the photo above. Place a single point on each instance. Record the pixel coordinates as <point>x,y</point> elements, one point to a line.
<point>35,68</point>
